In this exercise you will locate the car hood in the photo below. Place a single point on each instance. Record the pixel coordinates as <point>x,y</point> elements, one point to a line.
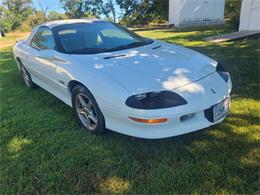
<point>154,67</point>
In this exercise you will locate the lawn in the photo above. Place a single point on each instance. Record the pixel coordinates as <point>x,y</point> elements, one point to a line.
<point>43,150</point>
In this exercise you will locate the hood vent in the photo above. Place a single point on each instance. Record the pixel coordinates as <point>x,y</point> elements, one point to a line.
<point>156,47</point>
<point>115,56</point>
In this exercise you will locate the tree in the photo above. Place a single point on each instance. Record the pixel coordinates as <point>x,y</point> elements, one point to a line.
<point>1,11</point>
<point>53,15</point>
<point>33,20</point>
<point>13,12</point>
<point>143,11</point>
<point>109,7</point>
<point>232,12</point>
<point>44,10</point>
<point>82,8</point>
<point>18,7</point>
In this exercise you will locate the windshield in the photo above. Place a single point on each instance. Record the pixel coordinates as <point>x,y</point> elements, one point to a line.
<point>96,37</point>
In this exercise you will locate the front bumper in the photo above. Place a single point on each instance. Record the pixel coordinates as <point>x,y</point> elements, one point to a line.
<point>200,99</point>
<point>173,127</point>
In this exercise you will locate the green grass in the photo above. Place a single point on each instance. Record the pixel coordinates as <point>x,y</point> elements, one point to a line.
<point>43,150</point>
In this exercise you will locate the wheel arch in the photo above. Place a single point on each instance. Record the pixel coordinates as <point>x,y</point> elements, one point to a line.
<point>18,62</point>
<point>74,83</point>
<point>101,125</point>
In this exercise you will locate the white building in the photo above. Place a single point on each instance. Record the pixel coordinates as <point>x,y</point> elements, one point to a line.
<point>196,12</point>
<point>250,15</point>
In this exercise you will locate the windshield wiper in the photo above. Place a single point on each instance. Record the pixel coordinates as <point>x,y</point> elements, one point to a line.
<point>102,50</point>
<point>136,44</point>
<point>131,45</point>
<point>88,50</point>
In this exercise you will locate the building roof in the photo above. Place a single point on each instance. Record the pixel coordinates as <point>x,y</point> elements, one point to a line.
<point>70,21</point>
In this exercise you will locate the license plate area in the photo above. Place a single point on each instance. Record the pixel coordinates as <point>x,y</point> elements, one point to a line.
<point>218,111</point>
<point>221,109</point>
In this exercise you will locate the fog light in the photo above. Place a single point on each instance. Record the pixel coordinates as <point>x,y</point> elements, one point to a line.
<point>151,121</point>
<point>187,117</point>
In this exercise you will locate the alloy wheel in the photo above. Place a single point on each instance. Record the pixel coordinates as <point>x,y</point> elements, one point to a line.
<point>86,111</point>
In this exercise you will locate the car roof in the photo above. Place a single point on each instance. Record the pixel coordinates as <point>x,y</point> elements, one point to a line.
<point>55,23</point>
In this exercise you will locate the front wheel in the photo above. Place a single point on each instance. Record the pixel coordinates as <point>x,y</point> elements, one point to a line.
<point>87,111</point>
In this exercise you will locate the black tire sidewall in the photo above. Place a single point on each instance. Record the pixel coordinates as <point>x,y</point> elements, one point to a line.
<point>31,84</point>
<point>100,128</point>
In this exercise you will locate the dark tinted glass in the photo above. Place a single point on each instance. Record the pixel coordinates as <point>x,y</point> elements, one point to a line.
<point>96,37</point>
<point>43,39</point>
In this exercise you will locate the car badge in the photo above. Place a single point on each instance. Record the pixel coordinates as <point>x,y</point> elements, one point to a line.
<point>213,91</point>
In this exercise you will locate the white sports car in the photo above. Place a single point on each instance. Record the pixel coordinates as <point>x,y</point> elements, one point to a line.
<point>116,79</point>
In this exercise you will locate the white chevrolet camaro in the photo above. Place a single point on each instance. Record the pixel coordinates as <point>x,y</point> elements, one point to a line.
<point>115,79</point>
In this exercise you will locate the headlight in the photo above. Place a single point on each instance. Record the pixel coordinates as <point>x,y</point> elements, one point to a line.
<point>222,72</point>
<point>155,100</point>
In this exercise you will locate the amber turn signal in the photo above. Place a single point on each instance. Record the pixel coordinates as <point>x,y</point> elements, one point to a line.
<point>151,121</point>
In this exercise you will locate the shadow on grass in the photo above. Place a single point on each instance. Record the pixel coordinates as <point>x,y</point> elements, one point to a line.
<point>55,159</point>
<point>43,150</point>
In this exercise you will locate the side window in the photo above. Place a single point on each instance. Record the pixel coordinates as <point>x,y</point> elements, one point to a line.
<point>43,39</point>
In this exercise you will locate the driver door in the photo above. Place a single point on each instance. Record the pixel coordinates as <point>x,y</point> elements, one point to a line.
<point>41,54</point>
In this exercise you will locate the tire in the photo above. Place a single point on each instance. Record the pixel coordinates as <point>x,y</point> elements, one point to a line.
<point>26,77</point>
<point>87,110</point>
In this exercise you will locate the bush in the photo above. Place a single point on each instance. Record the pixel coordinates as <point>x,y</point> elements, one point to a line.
<point>32,21</point>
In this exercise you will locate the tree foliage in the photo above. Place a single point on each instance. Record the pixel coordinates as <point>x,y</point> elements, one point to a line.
<point>33,20</point>
<point>20,14</point>
<point>39,17</point>
<point>143,11</point>
<point>53,15</point>
<point>109,8</point>
<point>14,12</point>
<point>82,8</point>
<point>232,12</point>
<point>19,7</point>
<point>134,11</point>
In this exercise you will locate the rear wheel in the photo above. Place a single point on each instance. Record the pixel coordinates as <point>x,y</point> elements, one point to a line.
<point>87,111</point>
<point>26,77</point>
